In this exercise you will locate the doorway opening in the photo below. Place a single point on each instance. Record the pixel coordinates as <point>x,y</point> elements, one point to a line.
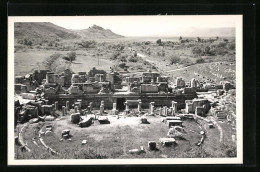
<point>120,103</point>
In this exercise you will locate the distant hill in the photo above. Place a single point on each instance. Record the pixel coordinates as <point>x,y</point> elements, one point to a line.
<point>209,32</point>
<point>197,32</point>
<point>41,31</point>
<point>97,32</point>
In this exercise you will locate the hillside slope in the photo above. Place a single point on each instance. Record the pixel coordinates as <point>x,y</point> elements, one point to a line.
<point>97,32</point>
<point>42,31</point>
<point>39,32</point>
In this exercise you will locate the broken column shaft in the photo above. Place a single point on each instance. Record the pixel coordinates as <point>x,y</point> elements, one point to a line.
<point>56,105</point>
<point>63,111</point>
<point>114,106</point>
<point>139,106</point>
<point>68,105</point>
<point>126,106</point>
<point>90,106</point>
<point>174,106</point>
<point>101,109</point>
<point>76,109</point>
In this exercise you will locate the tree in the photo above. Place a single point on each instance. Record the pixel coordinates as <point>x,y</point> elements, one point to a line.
<point>207,49</point>
<point>174,59</point>
<point>196,50</point>
<point>71,56</point>
<point>180,38</point>
<point>159,41</point>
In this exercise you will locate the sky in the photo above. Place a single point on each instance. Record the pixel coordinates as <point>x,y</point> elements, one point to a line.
<point>159,25</point>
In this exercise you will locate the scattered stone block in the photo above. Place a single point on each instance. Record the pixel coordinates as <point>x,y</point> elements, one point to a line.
<point>65,132</point>
<point>175,132</point>
<point>85,122</point>
<point>144,120</point>
<point>84,142</point>
<point>211,125</point>
<point>49,118</point>
<point>103,120</point>
<point>152,145</point>
<point>142,148</point>
<point>199,111</point>
<point>75,118</point>
<point>34,120</point>
<point>48,132</point>
<point>174,123</point>
<point>134,151</point>
<point>65,136</point>
<point>29,96</point>
<point>167,141</point>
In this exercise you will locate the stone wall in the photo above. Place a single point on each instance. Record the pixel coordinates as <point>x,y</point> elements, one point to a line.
<point>160,100</point>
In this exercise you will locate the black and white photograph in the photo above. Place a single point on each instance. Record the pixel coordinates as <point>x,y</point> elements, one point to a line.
<point>154,89</point>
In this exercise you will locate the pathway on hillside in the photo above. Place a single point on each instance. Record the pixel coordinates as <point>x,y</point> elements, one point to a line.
<point>154,62</point>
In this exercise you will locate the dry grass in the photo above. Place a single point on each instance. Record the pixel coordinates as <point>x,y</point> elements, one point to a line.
<point>116,139</point>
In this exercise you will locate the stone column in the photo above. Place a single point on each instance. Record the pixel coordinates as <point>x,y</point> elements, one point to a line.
<point>165,110</point>
<point>56,105</point>
<point>150,107</point>
<point>37,112</point>
<point>101,109</point>
<point>114,106</point>
<point>63,111</point>
<point>80,105</point>
<point>172,112</point>
<point>139,106</point>
<point>89,111</point>
<point>68,105</point>
<point>126,106</point>
<point>53,109</point>
<point>174,106</point>
<point>160,111</point>
<point>90,106</point>
<point>102,102</point>
<point>76,109</point>
<point>152,110</point>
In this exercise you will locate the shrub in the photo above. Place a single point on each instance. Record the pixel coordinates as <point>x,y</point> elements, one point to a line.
<point>147,43</point>
<point>19,48</point>
<point>161,53</point>
<point>122,65</point>
<point>50,44</point>
<point>71,56</point>
<point>146,62</point>
<point>87,44</point>
<point>114,55</point>
<point>197,50</point>
<point>207,49</point>
<point>200,60</point>
<point>221,45</point>
<point>174,59</point>
<point>132,59</point>
<point>159,42</point>
<point>231,46</point>
<point>122,58</point>
<point>186,62</point>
